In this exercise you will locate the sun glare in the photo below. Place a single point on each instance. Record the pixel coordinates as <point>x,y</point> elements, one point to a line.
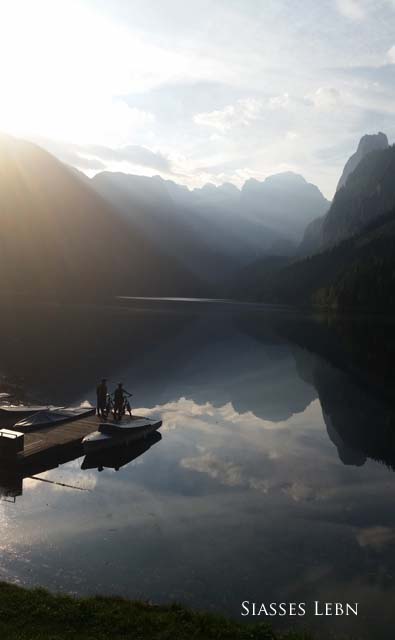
<point>62,68</point>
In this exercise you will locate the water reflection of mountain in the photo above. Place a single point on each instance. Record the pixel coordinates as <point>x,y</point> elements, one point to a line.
<point>358,409</point>
<point>215,360</point>
<point>349,362</point>
<point>58,352</point>
<point>161,350</point>
<point>259,360</point>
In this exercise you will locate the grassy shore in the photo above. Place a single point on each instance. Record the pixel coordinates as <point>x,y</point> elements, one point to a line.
<point>38,615</point>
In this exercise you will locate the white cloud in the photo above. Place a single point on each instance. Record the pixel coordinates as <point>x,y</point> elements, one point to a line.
<point>242,113</point>
<point>391,55</point>
<point>280,101</point>
<point>161,80</point>
<point>325,98</point>
<point>352,9</point>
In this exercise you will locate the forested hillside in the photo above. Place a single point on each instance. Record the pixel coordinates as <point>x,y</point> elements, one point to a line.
<point>359,271</point>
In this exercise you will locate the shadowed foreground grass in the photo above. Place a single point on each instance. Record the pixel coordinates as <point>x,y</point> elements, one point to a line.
<point>38,615</point>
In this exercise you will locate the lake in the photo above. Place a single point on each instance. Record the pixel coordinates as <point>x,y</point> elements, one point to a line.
<point>273,479</point>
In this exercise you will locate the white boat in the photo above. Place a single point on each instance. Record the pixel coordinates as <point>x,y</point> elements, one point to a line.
<point>119,456</point>
<point>53,416</point>
<point>112,434</point>
<point>20,410</point>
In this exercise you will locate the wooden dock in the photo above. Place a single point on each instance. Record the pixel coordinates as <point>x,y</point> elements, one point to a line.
<point>58,437</point>
<point>44,449</point>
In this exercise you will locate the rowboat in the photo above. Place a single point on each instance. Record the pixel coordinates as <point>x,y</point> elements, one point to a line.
<point>119,456</point>
<point>115,433</point>
<point>21,410</point>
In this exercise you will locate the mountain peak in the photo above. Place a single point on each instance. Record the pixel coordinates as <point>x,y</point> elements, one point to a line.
<point>369,142</point>
<point>372,142</point>
<point>286,178</point>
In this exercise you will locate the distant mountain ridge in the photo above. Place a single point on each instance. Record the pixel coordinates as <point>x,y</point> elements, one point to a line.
<point>59,238</point>
<point>286,201</point>
<point>351,257</point>
<point>65,235</point>
<point>216,230</point>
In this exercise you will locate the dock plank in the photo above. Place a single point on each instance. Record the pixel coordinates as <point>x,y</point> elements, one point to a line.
<point>70,433</point>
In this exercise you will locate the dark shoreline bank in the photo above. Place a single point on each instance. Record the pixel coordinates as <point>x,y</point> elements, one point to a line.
<point>37,615</point>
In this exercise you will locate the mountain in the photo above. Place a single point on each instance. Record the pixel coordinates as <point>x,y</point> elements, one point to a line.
<point>368,193</point>
<point>60,238</point>
<point>216,230</point>
<point>285,203</point>
<point>205,228</point>
<point>354,203</point>
<point>367,143</point>
<point>162,212</point>
<point>312,237</point>
<point>355,265</point>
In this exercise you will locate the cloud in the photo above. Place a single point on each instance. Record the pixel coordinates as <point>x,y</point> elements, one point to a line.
<point>325,98</point>
<point>352,9</point>
<point>163,81</point>
<point>391,55</point>
<point>99,157</point>
<point>280,101</point>
<point>134,154</point>
<point>242,113</point>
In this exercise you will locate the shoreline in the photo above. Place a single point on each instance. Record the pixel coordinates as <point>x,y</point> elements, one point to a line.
<point>37,614</point>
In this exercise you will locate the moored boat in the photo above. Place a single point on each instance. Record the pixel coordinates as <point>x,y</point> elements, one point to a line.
<point>52,417</point>
<point>112,434</point>
<point>21,410</point>
<point>119,456</point>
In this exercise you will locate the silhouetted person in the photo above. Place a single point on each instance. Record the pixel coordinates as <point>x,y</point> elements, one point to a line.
<point>101,393</point>
<point>121,401</point>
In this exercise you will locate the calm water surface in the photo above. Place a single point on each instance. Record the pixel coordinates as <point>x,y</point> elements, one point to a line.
<point>273,480</point>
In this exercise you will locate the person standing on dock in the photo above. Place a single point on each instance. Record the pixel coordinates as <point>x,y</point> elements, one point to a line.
<point>101,393</point>
<point>121,402</point>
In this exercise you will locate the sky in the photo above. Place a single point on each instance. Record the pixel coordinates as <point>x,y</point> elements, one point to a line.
<point>200,91</point>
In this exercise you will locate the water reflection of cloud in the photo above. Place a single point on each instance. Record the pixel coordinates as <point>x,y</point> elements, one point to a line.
<point>179,412</point>
<point>232,475</point>
<point>241,450</point>
<point>227,473</point>
<point>299,491</point>
<point>376,537</point>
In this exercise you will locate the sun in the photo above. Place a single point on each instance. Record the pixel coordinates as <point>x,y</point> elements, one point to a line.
<point>54,72</point>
